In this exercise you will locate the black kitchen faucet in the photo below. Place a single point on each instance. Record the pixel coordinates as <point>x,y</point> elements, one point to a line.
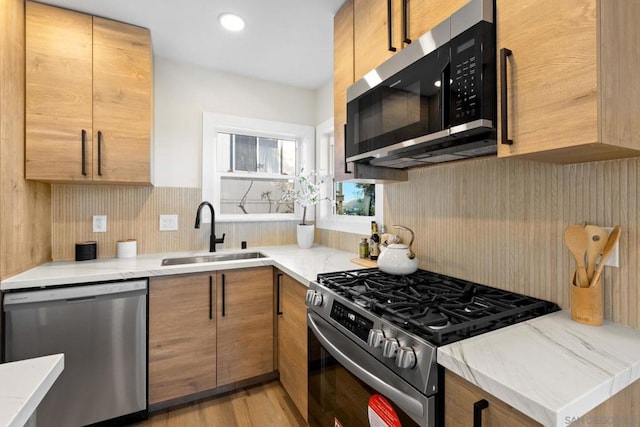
<point>212,238</point>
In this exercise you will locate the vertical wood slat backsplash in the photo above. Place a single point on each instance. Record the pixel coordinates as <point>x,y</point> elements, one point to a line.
<point>134,213</point>
<point>501,222</point>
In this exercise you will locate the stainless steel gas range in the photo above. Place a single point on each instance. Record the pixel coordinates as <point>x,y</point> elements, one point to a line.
<point>374,336</point>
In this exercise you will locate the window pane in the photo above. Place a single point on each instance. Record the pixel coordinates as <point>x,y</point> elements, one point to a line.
<point>288,157</point>
<point>254,196</point>
<point>355,199</point>
<point>245,152</point>
<point>269,155</point>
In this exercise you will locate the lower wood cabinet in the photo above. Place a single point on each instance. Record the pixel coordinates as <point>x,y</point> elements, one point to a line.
<point>244,311</point>
<point>460,398</point>
<point>292,339</point>
<point>182,336</point>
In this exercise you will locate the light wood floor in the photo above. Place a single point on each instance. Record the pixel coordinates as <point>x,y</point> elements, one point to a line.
<point>262,405</point>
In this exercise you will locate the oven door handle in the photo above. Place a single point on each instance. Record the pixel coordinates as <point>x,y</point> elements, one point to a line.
<point>407,403</point>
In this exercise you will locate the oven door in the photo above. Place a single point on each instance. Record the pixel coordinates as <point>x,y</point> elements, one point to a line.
<point>350,388</point>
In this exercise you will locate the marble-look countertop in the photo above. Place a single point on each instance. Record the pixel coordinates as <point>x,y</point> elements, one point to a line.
<point>550,368</point>
<point>23,385</point>
<point>302,264</point>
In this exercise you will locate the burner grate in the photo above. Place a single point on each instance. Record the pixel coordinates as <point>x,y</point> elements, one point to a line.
<point>439,308</point>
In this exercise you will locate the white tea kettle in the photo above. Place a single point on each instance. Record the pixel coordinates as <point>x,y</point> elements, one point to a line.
<point>398,258</point>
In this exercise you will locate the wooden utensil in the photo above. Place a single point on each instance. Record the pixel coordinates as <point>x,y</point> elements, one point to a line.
<point>596,240</point>
<point>576,239</point>
<point>608,247</point>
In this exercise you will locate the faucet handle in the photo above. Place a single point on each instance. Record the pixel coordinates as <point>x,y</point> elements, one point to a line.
<point>219,240</point>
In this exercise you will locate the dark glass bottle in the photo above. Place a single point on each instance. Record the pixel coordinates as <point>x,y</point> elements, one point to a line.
<point>374,242</point>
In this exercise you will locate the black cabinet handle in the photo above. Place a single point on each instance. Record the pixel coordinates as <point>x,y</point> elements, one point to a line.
<point>405,22</point>
<point>84,152</point>
<point>478,407</point>
<point>279,277</point>
<point>390,26</point>
<point>210,298</point>
<point>100,153</point>
<point>346,165</point>
<point>223,296</point>
<point>504,53</point>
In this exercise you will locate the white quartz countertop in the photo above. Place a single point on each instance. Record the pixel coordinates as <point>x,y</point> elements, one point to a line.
<point>302,264</point>
<point>23,385</point>
<point>550,368</point>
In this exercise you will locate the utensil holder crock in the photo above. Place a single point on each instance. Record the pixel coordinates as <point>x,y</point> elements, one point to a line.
<point>586,303</point>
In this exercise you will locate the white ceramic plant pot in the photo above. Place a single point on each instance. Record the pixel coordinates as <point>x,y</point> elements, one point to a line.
<point>305,235</point>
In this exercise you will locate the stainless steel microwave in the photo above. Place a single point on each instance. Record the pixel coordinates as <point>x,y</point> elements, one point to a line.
<point>432,102</point>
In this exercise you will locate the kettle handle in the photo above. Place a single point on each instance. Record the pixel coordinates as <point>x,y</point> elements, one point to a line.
<point>411,254</point>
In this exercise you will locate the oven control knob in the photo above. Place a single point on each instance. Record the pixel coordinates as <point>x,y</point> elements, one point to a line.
<point>314,298</point>
<point>390,347</point>
<point>406,358</point>
<point>376,336</point>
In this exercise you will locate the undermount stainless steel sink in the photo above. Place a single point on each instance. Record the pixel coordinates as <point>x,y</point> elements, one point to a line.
<point>212,258</point>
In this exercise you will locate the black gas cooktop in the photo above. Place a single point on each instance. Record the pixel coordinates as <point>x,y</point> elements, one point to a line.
<point>438,308</point>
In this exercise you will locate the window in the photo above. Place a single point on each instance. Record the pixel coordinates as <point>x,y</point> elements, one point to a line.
<point>356,204</point>
<point>248,164</point>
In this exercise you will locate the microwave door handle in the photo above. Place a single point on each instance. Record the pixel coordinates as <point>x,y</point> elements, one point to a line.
<point>407,403</point>
<point>346,165</point>
<point>445,96</point>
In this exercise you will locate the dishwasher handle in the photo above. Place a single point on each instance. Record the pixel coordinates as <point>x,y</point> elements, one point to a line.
<point>74,293</point>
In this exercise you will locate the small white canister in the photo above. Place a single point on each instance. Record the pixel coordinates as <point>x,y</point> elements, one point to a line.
<point>127,248</point>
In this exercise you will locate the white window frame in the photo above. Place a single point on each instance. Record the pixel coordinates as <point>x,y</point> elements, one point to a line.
<point>327,218</point>
<point>212,123</point>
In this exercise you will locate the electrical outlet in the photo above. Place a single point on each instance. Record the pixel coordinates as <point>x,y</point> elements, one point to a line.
<point>168,222</point>
<point>99,223</point>
<point>613,260</point>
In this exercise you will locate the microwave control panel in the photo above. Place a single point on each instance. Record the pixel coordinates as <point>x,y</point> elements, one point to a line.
<point>473,75</point>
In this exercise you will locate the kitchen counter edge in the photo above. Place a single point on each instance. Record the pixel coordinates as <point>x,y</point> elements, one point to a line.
<point>301,264</point>
<point>551,368</point>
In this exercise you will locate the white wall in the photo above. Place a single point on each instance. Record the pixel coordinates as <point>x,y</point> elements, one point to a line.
<point>324,102</point>
<point>183,92</point>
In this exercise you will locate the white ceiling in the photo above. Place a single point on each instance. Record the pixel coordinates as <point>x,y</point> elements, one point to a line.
<point>285,41</point>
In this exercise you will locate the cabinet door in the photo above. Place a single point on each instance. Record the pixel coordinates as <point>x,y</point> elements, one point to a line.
<point>245,324</point>
<point>423,15</point>
<point>459,399</point>
<point>292,340</point>
<point>121,102</point>
<point>342,79</point>
<point>58,94</point>
<point>371,33</point>
<point>182,336</point>
<point>551,80</point>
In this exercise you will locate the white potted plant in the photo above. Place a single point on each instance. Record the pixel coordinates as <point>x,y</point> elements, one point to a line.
<point>306,193</point>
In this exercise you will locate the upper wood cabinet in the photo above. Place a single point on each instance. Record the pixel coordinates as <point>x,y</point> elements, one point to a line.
<point>374,34</point>
<point>245,321</point>
<point>377,38</point>
<point>342,79</point>
<point>423,15</point>
<point>182,336</point>
<point>570,95</point>
<point>88,98</point>
<point>292,340</point>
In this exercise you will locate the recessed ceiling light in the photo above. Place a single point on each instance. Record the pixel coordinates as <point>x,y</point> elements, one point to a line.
<point>231,21</point>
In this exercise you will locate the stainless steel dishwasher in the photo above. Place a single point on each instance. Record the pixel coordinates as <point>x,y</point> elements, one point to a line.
<point>102,331</point>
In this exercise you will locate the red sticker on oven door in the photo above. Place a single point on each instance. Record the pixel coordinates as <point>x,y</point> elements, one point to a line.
<point>381,413</point>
